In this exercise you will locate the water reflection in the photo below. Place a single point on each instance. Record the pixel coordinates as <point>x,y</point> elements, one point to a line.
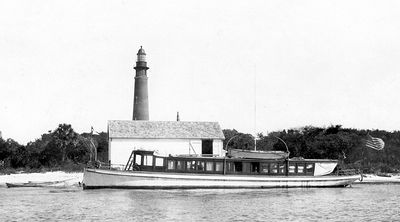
<point>361,202</point>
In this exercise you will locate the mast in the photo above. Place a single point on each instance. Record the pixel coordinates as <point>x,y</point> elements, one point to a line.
<point>255,109</point>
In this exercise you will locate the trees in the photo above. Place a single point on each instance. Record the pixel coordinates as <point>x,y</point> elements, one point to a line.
<point>16,153</point>
<point>64,138</point>
<point>102,146</point>
<point>54,149</point>
<point>5,152</point>
<point>238,140</point>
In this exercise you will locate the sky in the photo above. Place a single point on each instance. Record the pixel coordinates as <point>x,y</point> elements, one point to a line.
<point>255,66</point>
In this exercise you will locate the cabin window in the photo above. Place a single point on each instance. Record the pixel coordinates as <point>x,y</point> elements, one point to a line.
<point>200,165</point>
<point>255,167</point>
<point>310,168</point>
<point>274,168</point>
<point>292,168</point>
<point>171,165</point>
<point>218,166</point>
<point>179,165</point>
<point>159,161</point>
<point>246,167</point>
<point>148,160</point>
<point>191,165</point>
<point>229,166</point>
<point>264,167</point>
<point>300,168</point>
<point>238,166</point>
<point>209,166</point>
<point>138,159</point>
<point>281,168</point>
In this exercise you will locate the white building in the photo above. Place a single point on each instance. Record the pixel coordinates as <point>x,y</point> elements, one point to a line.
<point>164,137</point>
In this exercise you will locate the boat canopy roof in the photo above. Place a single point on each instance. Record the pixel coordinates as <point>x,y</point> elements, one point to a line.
<point>247,159</point>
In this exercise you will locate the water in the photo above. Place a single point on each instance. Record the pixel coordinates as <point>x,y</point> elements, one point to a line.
<point>358,203</point>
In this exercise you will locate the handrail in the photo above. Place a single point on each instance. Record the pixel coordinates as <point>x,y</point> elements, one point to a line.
<point>287,149</point>
<point>226,145</point>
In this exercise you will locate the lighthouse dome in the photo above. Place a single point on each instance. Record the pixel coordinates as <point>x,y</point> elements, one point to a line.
<point>141,51</point>
<point>141,55</point>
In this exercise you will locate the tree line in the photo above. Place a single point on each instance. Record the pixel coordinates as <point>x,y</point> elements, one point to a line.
<point>63,148</point>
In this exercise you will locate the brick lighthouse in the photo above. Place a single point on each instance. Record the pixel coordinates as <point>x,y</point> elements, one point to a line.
<point>140,99</point>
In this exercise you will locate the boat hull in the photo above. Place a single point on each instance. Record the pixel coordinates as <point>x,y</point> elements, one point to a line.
<point>97,178</point>
<point>32,184</point>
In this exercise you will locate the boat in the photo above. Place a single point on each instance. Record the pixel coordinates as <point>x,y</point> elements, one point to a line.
<point>35,184</point>
<point>145,170</point>
<point>255,154</point>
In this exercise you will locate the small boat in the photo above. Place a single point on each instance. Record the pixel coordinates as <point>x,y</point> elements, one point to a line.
<point>144,170</point>
<point>252,154</point>
<point>35,184</point>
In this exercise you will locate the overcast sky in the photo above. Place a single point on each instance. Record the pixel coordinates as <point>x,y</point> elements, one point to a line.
<point>296,63</point>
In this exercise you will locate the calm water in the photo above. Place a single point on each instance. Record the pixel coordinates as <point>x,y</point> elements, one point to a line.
<point>358,203</point>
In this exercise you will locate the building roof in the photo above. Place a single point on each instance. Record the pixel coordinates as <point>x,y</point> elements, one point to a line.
<point>164,129</point>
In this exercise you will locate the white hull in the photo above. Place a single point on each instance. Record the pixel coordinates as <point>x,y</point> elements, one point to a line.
<point>96,178</point>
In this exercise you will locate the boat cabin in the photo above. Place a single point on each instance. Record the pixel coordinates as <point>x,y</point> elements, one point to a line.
<point>144,160</point>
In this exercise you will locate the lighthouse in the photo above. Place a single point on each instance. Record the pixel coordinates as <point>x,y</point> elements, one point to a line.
<point>140,99</point>
<point>124,136</point>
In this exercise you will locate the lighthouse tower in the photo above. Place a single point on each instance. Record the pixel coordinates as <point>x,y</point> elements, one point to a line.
<point>140,99</point>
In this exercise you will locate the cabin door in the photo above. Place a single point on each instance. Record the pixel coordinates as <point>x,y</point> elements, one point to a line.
<point>206,147</point>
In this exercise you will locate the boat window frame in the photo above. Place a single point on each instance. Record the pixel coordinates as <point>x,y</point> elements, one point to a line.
<point>294,164</point>
<point>309,172</point>
<point>135,159</point>
<point>148,160</point>
<point>237,165</point>
<point>303,169</point>
<point>198,164</point>
<point>281,168</point>
<point>159,158</point>
<point>212,166</point>
<point>274,168</point>
<point>221,165</point>
<point>262,164</point>
<point>173,165</point>
<point>191,165</point>
<point>182,164</point>
<point>255,167</point>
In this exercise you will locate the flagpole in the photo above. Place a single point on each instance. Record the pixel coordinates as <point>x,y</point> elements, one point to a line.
<point>363,156</point>
<point>255,108</point>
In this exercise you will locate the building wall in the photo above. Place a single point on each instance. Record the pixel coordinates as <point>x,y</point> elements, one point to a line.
<point>120,149</point>
<point>218,148</point>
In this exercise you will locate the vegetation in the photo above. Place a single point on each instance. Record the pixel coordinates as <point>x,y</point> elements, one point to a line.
<point>64,149</point>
